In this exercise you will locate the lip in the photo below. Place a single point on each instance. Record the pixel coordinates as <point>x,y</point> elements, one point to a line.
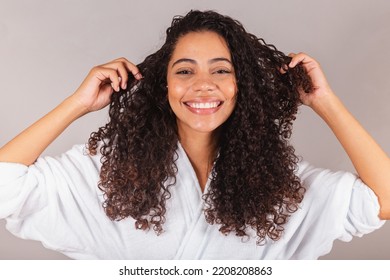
<point>203,106</point>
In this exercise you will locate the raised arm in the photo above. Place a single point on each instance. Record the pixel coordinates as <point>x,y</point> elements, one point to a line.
<point>370,161</point>
<point>92,95</point>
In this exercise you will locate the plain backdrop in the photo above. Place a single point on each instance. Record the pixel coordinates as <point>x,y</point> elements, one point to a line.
<point>48,47</point>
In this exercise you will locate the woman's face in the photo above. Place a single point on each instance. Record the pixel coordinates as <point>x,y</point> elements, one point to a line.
<point>201,82</point>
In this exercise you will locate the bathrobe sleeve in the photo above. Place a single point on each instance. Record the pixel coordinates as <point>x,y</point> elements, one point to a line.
<point>336,205</point>
<point>52,200</point>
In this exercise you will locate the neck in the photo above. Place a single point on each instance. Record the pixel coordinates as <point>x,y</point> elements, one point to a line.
<point>199,143</point>
<point>201,150</point>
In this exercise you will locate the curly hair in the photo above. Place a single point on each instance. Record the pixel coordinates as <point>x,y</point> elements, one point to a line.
<point>253,181</point>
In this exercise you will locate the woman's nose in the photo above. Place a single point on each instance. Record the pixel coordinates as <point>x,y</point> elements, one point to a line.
<point>204,83</point>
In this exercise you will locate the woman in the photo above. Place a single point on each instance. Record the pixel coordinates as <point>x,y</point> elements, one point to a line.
<point>196,156</point>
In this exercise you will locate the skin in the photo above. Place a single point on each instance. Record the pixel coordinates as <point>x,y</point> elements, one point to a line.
<point>202,93</point>
<point>196,134</point>
<point>370,161</point>
<point>92,95</point>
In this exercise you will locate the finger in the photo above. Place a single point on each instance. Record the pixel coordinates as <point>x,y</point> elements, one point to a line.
<point>285,67</point>
<point>123,66</point>
<point>123,76</point>
<point>131,67</point>
<point>108,75</point>
<point>298,58</point>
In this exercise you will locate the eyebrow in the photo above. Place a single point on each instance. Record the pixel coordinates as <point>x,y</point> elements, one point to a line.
<point>192,61</point>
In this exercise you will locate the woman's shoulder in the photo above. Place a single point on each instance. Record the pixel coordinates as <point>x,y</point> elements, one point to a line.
<point>77,157</point>
<point>81,151</point>
<point>309,173</point>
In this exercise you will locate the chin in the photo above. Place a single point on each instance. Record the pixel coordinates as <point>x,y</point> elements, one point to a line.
<point>206,128</point>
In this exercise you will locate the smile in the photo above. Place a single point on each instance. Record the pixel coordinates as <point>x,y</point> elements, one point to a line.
<point>205,105</point>
<point>203,108</point>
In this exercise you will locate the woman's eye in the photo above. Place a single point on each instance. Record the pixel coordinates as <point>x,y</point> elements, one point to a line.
<point>184,72</point>
<point>222,71</point>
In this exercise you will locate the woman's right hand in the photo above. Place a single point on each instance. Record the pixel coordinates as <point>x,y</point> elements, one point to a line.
<point>95,91</point>
<point>92,95</point>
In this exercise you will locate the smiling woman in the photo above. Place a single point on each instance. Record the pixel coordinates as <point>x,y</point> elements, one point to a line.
<point>196,149</point>
<point>200,62</point>
<point>202,92</point>
<point>201,87</point>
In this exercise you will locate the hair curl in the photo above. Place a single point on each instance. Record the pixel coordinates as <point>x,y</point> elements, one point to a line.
<point>253,182</point>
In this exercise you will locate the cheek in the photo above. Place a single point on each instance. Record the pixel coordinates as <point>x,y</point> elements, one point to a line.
<point>231,97</point>
<point>231,106</point>
<point>229,88</point>
<point>230,91</point>
<point>175,93</point>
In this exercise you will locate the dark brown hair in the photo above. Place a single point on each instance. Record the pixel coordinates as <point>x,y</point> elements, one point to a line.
<point>253,182</point>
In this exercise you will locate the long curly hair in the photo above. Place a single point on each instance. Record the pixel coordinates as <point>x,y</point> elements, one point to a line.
<point>253,181</point>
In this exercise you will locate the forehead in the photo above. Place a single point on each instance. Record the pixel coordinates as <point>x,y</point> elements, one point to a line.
<point>204,44</point>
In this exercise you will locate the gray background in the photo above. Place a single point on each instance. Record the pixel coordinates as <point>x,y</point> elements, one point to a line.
<point>48,47</point>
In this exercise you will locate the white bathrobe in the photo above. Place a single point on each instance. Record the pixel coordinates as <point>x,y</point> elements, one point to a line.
<point>57,201</point>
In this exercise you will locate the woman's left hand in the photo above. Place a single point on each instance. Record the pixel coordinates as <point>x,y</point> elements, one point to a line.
<point>321,89</point>
<point>371,162</point>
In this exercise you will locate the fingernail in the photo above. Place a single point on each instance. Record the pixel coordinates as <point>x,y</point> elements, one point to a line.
<point>138,76</point>
<point>115,88</point>
<point>124,86</point>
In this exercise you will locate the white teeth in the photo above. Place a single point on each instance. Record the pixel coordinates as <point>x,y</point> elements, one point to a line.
<point>206,105</point>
